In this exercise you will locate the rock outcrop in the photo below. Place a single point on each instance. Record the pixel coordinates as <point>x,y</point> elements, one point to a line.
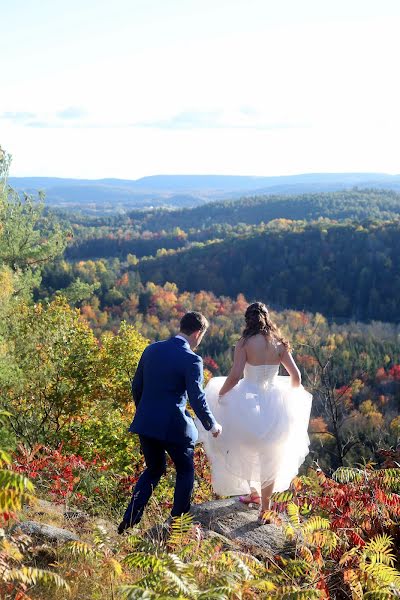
<point>237,522</point>
<point>43,532</point>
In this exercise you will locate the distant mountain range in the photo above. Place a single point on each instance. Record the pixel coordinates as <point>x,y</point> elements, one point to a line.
<point>189,190</point>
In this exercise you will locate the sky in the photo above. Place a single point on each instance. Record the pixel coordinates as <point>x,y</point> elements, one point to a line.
<point>131,88</point>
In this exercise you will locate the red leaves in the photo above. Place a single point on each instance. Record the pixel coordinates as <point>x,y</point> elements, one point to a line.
<point>210,364</point>
<point>61,473</point>
<point>357,510</point>
<point>394,372</point>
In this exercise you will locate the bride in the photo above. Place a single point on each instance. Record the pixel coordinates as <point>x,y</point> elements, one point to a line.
<point>264,416</point>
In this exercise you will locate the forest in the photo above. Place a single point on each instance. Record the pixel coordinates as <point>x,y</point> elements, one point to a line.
<point>80,299</point>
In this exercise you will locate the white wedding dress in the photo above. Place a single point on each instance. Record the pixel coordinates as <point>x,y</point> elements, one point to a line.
<point>264,431</point>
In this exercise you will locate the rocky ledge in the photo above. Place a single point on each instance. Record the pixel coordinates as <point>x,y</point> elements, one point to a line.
<point>238,522</point>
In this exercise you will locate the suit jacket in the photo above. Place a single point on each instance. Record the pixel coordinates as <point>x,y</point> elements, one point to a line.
<point>166,371</point>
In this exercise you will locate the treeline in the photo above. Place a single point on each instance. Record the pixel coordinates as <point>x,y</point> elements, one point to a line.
<point>355,205</point>
<point>111,245</point>
<point>340,270</point>
<point>144,232</point>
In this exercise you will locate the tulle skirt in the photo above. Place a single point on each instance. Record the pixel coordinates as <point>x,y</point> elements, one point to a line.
<point>264,435</point>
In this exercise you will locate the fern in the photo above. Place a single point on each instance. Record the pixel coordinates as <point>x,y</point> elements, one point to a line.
<point>378,550</point>
<point>114,566</point>
<point>32,576</point>
<point>390,477</point>
<point>166,570</point>
<point>15,490</point>
<point>216,593</point>
<point>381,574</point>
<point>293,514</point>
<point>348,474</point>
<point>297,568</point>
<point>282,496</point>
<point>349,556</point>
<point>315,524</point>
<point>11,480</point>
<point>327,540</point>
<point>264,585</point>
<point>379,595</point>
<point>306,554</point>
<point>180,530</point>
<point>80,549</point>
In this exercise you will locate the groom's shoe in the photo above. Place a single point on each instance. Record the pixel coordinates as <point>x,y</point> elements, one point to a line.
<point>123,526</point>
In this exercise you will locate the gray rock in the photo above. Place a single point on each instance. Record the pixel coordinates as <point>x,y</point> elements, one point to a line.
<point>73,514</point>
<point>44,507</point>
<point>237,522</point>
<point>44,532</point>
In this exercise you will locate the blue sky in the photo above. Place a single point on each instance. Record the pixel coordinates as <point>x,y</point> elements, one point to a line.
<point>254,87</point>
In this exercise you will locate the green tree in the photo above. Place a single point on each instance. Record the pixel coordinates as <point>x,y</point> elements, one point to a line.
<point>53,356</point>
<point>29,237</point>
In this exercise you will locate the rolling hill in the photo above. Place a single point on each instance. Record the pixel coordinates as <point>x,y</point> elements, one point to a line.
<point>189,190</point>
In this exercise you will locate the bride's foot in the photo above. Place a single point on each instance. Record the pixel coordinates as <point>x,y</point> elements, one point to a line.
<point>252,498</point>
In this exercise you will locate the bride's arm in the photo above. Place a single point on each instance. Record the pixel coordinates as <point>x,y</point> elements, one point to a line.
<point>291,367</point>
<point>236,372</point>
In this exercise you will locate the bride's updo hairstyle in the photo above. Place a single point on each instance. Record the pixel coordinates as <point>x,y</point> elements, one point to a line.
<point>258,321</point>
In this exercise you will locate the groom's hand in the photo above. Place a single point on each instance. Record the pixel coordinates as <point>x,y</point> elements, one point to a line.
<point>216,430</point>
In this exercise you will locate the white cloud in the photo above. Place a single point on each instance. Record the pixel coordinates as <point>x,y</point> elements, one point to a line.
<point>316,96</point>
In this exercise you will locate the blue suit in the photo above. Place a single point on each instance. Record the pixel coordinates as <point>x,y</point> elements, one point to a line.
<point>166,373</point>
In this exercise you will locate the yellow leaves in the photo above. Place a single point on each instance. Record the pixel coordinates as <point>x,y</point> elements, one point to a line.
<point>306,554</point>
<point>350,577</point>
<point>114,566</point>
<point>356,386</point>
<point>6,284</point>
<point>80,549</point>
<point>327,540</point>
<point>290,532</point>
<point>349,556</point>
<point>31,576</point>
<point>319,319</point>
<point>395,425</point>
<point>293,514</point>
<point>9,549</point>
<point>282,496</point>
<point>379,550</point>
<point>272,517</point>
<point>15,490</point>
<point>316,523</point>
<point>371,568</point>
<point>367,407</point>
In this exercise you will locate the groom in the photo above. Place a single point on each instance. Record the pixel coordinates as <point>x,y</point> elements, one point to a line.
<point>165,373</point>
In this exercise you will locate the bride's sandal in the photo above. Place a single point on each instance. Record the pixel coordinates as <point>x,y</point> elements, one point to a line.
<point>250,499</point>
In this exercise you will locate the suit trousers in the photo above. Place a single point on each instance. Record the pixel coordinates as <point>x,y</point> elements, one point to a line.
<point>155,452</point>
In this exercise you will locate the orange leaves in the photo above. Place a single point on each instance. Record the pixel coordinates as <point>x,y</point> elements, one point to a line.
<point>318,425</point>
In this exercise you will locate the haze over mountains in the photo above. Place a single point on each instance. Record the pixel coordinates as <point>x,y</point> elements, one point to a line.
<point>190,190</point>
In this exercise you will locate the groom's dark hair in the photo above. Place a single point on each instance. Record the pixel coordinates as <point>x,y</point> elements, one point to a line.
<point>193,321</point>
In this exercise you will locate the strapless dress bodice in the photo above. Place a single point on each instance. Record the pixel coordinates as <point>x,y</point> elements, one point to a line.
<point>260,375</point>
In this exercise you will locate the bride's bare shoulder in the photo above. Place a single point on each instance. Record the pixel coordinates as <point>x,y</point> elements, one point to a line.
<point>240,343</point>
<point>256,341</point>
